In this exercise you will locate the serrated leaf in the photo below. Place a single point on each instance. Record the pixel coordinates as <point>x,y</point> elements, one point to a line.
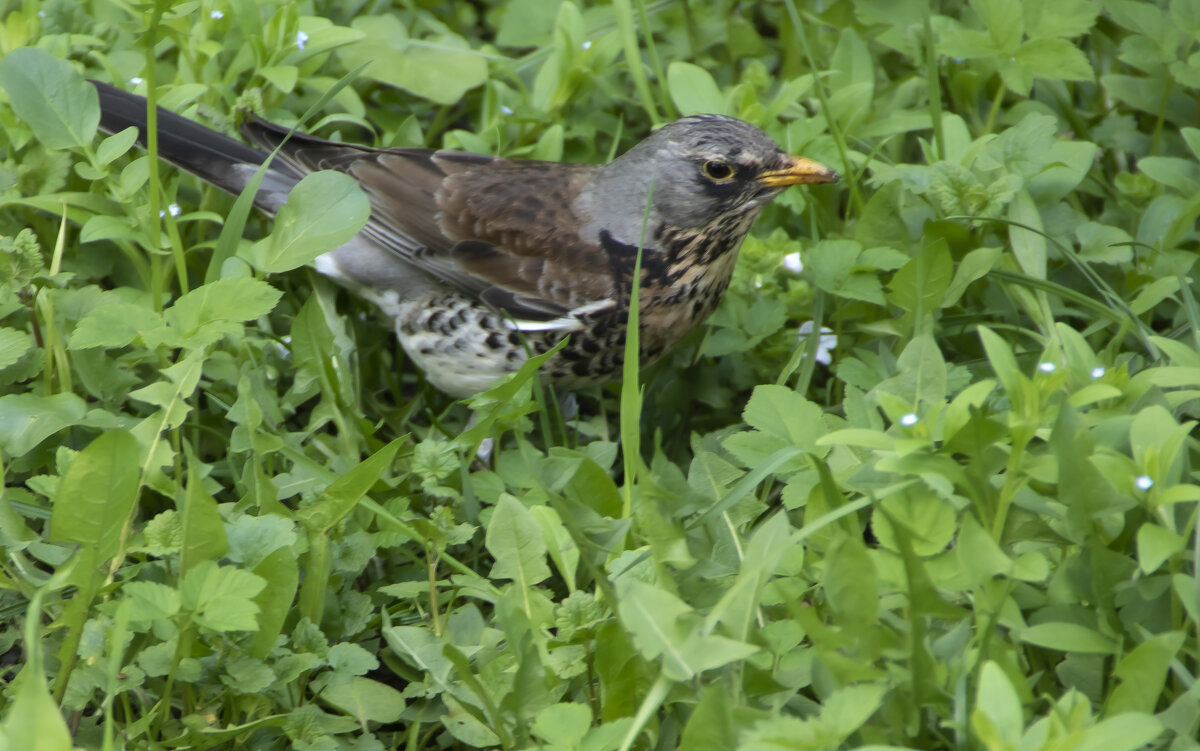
<point>57,103</point>
<point>514,538</point>
<point>115,324</point>
<point>229,299</point>
<point>13,345</point>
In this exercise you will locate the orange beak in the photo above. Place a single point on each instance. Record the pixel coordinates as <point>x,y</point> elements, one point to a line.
<point>799,172</point>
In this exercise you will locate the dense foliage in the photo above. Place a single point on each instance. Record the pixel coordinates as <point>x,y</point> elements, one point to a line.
<point>233,516</point>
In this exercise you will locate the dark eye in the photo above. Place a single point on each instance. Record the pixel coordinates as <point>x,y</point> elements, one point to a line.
<point>717,171</point>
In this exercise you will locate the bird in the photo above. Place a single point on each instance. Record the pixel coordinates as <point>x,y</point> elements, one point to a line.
<point>483,261</point>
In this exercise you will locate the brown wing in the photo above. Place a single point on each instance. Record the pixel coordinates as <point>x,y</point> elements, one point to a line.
<point>501,230</point>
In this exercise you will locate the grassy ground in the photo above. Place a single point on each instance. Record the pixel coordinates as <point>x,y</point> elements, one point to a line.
<point>234,517</point>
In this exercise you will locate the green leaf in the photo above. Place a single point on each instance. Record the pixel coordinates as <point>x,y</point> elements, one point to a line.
<point>515,540</point>
<point>1068,637</point>
<point>221,597</point>
<point>96,495</point>
<point>1156,545</point>
<point>1055,59</point>
<point>1143,674</point>
<point>998,719</point>
<point>114,324</point>
<point>563,725</point>
<point>1104,243</point>
<point>920,285</point>
<point>33,720</point>
<point>27,419</point>
<point>850,584</point>
<point>781,412</point>
<point>1029,245</point>
<point>365,700</point>
<point>1126,732</point>
<point>13,345</point>
<point>693,90</point>
<point>150,601</point>
<point>116,145</point>
<point>440,68</point>
<point>834,264</point>
<point>230,299</point>
<point>325,210</point>
<point>203,528</point>
<point>57,103</point>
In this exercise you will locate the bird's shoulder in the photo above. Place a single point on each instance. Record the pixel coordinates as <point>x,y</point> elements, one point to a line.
<point>503,230</point>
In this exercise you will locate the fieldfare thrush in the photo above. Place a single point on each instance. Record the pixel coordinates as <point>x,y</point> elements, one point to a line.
<point>482,260</point>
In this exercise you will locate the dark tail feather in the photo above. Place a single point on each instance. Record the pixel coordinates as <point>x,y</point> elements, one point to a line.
<point>202,151</point>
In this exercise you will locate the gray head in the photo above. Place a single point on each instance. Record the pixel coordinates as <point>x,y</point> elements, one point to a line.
<point>705,166</point>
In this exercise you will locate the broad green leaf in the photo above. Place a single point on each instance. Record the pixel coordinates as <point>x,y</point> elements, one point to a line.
<point>920,285</point>
<point>1068,637</point>
<point>1104,243</point>
<point>1125,732</point>
<point>1156,545</point>
<point>280,571</point>
<point>515,540</point>
<point>221,598</point>
<point>850,584</point>
<point>150,601</point>
<point>845,711</point>
<point>998,719</point>
<point>113,324</point>
<point>116,145</point>
<point>27,419</point>
<point>711,726</point>
<point>323,211</point>
<point>1055,59</point>
<point>693,90</point>
<point>13,345</point>
<point>783,413</point>
<point>1143,673</point>
<point>419,647</point>
<point>96,495</point>
<point>33,721</point>
<point>563,725</point>
<point>229,299</point>
<point>440,68</point>
<point>652,615</point>
<point>365,700</point>
<point>58,104</point>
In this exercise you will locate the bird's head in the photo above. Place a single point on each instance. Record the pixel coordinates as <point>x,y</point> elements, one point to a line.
<point>705,166</point>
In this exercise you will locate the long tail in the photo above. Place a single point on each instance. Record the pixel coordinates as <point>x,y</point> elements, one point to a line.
<point>212,156</point>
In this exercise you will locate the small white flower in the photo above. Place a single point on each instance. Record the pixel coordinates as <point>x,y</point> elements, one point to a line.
<point>506,110</point>
<point>909,420</point>
<point>1047,367</point>
<point>1143,482</point>
<point>301,39</point>
<point>173,209</point>
<point>758,284</point>
<point>216,15</point>
<point>825,344</point>
<point>137,80</point>
<point>41,14</point>
<point>792,262</point>
<point>587,45</point>
<point>1097,372</point>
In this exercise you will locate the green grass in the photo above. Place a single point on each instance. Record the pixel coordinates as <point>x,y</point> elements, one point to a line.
<point>234,517</point>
